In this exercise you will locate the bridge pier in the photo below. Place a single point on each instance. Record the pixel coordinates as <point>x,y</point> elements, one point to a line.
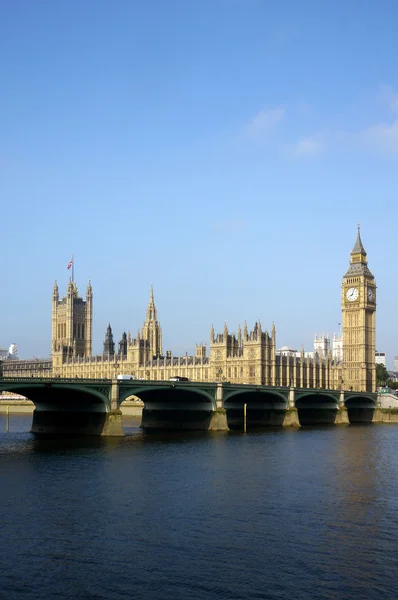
<point>75,422</point>
<point>114,397</point>
<point>291,418</point>
<point>342,412</point>
<point>219,418</point>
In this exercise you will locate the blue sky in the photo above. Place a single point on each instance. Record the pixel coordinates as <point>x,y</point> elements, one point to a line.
<point>222,150</point>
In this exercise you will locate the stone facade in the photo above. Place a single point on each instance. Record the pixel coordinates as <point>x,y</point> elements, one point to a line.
<point>247,357</point>
<point>72,319</point>
<point>358,301</point>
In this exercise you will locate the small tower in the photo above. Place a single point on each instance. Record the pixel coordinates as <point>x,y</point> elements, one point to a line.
<point>358,303</point>
<point>109,344</point>
<point>123,346</point>
<point>71,322</point>
<point>151,331</point>
<point>321,345</point>
<point>201,351</point>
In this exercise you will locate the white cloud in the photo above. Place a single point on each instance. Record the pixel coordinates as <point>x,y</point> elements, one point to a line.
<point>263,122</point>
<point>382,136</point>
<point>308,146</point>
<point>389,97</point>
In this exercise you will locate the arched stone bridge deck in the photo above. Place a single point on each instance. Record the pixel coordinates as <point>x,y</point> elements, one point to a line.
<point>92,406</point>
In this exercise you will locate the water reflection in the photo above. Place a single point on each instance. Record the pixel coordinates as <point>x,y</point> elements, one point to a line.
<point>276,514</point>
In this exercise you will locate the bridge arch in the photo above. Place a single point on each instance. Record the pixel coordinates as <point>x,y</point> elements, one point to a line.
<point>262,407</point>
<point>363,399</point>
<point>68,407</point>
<point>317,407</point>
<point>51,393</point>
<point>360,406</point>
<point>162,393</point>
<point>173,406</point>
<point>246,394</point>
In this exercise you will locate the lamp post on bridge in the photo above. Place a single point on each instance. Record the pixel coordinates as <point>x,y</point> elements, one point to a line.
<point>116,367</point>
<point>219,373</point>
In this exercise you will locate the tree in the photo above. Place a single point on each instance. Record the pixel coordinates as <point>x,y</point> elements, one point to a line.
<point>381,375</point>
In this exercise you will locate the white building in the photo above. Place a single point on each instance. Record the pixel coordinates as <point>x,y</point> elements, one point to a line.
<point>337,351</point>
<point>13,352</point>
<point>380,358</point>
<point>10,354</point>
<point>322,345</point>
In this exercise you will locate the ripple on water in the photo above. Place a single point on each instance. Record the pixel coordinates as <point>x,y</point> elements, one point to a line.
<point>310,513</point>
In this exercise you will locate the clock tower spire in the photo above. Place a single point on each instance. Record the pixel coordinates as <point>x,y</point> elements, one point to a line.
<point>358,304</point>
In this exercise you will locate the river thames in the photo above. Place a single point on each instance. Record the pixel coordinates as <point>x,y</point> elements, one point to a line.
<point>301,513</point>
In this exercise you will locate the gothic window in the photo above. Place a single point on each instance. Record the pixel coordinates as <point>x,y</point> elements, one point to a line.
<point>251,353</point>
<point>83,331</point>
<point>252,372</point>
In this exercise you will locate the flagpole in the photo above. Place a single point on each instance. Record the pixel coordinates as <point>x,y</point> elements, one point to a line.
<point>73,268</point>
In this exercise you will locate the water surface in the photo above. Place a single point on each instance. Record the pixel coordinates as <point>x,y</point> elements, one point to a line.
<point>308,513</point>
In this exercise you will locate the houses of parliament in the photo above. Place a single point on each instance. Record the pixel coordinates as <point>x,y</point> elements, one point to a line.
<point>247,356</point>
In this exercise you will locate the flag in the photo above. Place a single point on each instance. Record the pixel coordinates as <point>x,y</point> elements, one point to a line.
<point>70,263</point>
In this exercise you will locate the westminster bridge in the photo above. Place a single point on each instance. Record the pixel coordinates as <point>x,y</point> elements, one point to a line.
<point>92,406</point>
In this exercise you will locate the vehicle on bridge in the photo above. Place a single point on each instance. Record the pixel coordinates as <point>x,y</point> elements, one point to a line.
<point>178,378</point>
<point>126,377</point>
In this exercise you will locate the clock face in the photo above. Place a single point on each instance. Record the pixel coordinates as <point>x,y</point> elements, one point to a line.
<point>352,294</point>
<point>371,295</point>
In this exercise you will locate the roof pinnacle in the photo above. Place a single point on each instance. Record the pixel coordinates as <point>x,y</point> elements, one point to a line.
<point>358,247</point>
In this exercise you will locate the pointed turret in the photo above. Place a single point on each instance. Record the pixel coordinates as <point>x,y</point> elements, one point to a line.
<point>151,308</point>
<point>55,291</point>
<point>123,345</point>
<point>358,247</point>
<point>212,334</point>
<point>151,332</point>
<point>109,344</point>
<point>89,291</point>
<point>358,260</point>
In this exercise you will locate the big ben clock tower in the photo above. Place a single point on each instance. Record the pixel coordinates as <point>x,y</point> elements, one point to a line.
<point>358,320</point>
